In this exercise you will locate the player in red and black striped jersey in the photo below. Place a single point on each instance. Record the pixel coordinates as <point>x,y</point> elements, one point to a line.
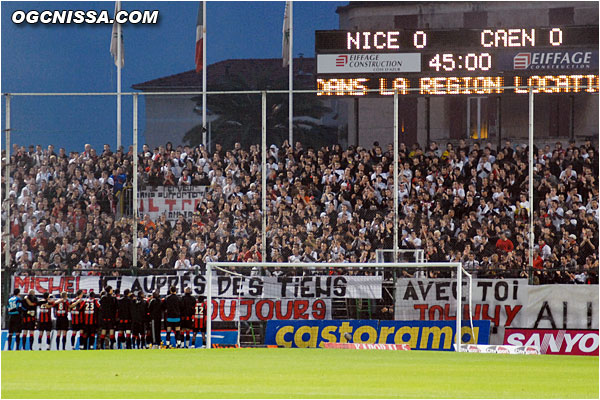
<point>187,311</point>
<point>76,308</point>
<point>199,320</point>
<point>45,319</point>
<point>90,320</point>
<point>61,310</point>
<point>30,303</point>
<point>124,319</point>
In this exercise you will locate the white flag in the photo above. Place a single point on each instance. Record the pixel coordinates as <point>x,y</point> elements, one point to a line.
<point>285,45</point>
<point>114,37</point>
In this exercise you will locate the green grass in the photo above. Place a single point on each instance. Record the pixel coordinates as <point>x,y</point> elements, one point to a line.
<point>294,373</point>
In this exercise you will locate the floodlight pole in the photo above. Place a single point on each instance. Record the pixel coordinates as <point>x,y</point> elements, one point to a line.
<point>263,174</point>
<point>395,176</point>
<point>208,305</point>
<point>458,309</point>
<point>204,43</point>
<point>135,179</point>
<point>531,233</point>
<point>119,58</point>
<point>7,183</point>
<point>291,77</point>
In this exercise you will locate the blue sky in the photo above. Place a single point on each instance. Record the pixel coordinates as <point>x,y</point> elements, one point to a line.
<point>76,58</point>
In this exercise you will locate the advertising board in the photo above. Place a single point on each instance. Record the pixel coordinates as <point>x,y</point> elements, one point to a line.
<point>419,335</point>
<point>553,341</point>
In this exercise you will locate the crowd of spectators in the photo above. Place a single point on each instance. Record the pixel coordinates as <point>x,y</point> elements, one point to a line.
<point>463,202</point>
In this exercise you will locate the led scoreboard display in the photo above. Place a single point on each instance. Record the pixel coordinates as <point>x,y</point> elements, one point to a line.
<point>459,61</point>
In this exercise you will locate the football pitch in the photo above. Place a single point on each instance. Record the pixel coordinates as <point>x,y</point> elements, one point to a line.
<point>294,373</point>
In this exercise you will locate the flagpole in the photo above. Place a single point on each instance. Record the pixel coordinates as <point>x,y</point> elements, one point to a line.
<point>118,80</point>
<point>291,80</point>
<point>204,73</point>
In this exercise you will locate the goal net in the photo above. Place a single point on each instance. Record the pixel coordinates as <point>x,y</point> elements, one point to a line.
<point>254,297</point>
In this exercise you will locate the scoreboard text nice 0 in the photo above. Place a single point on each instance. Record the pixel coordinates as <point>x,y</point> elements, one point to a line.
<point>458,61</point>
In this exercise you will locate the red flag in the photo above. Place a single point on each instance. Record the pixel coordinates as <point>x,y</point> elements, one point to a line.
<point>199,39</point>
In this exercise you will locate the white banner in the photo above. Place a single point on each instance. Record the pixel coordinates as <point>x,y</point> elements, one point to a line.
<point>510,303</point>
<point>368,63</point>
<point>170,200</point>
<point>500,301</point>
<point>562,307</point>
<point>293,287</point>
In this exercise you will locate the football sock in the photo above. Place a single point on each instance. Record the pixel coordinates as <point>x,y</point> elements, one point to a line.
<point>48,338</point>
<point>64,342</point>
<point>73,334</point>
<point>83,341</point>
<point>31,341</point>
<point>102,341</point>
<point>92,340</point>
<point>10,335</point>
<point>168,338</point>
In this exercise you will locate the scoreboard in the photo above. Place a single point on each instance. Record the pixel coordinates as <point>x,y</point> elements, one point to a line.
<point>457,61</point>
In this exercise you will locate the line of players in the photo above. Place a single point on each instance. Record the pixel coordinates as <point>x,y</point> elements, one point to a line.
<point>110,321</point>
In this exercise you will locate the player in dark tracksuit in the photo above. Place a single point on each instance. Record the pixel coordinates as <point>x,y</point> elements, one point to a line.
<point>14,309</point>
<point>108,304</point>
<point>139,311</point>
<point>187,311</point>
<point>124,319</point>
<point>147,325</point>
<point>155,315</point>
<point>172,309</point>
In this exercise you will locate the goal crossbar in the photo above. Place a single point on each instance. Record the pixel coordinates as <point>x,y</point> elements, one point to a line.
<point>212,264</point>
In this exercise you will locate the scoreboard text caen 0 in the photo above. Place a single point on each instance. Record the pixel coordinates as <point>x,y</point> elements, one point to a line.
<point>334,41</point>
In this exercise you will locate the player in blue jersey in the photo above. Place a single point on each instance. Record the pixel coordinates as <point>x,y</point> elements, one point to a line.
<point>14,310</point>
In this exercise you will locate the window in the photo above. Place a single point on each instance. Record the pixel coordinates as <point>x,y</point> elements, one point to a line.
<point>406,21</point>
<point>561,16</point>
<point>475,19</point>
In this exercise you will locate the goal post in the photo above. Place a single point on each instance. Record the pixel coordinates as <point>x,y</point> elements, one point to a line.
<point>212,266</point>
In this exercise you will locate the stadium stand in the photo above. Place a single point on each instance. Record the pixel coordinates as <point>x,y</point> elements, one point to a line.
<point>71,213</point>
